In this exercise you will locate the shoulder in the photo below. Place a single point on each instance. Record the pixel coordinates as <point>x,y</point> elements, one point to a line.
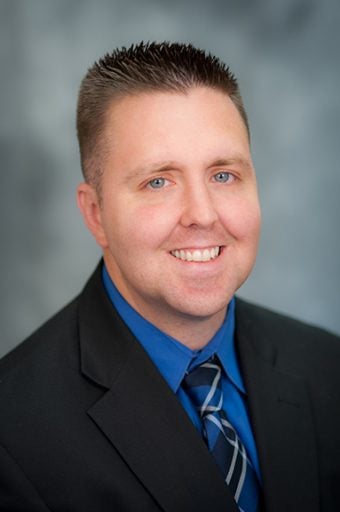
<point>293,345</point>
<point>58,336</point>
<point>257,317</point>
<point>34,353</point>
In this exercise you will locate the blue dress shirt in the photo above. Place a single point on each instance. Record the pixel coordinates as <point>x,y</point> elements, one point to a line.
<point>173,360</point>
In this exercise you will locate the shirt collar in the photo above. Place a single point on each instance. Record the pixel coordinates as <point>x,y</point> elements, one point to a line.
<point>172,358</point>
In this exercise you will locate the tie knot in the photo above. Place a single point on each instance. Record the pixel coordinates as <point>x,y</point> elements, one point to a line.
<point>203,387</point>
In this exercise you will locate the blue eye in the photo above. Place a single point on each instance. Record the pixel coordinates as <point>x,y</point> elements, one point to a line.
<point>222,177</point>
<point>157,183</point>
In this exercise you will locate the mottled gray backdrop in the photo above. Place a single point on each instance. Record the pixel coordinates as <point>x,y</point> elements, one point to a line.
<point>286,55</point>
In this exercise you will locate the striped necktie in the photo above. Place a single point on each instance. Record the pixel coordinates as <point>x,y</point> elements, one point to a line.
<point>203,386</point>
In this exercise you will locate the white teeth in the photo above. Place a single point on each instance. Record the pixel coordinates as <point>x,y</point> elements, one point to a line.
<point>197,255</point>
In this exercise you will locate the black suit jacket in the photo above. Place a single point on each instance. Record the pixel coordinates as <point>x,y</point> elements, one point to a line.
<point>88,424</point>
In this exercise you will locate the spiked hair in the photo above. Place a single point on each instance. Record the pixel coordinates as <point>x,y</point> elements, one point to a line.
<point>144,67</point>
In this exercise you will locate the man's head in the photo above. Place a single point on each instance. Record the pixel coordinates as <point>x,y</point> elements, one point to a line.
<point>175,210</point>
<point>142,68</point>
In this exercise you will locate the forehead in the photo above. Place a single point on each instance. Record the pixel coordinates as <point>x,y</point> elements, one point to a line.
<point>188,103</point>
<point>160,123</point>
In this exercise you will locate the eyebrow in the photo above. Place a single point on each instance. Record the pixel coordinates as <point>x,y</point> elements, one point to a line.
<point>152,168</point>
<point>237,159</point>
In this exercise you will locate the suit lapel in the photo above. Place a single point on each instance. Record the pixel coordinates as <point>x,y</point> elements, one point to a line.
<point>157,440</point>
<point>141,416</point>
<point>282,421</point>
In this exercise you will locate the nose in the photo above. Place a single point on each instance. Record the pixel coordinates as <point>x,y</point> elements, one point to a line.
<point>199,208</point>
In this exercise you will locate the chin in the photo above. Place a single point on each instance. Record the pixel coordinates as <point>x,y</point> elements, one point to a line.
<point>203,307</point>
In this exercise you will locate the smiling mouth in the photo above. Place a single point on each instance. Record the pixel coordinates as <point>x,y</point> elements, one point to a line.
<point>197,255</point>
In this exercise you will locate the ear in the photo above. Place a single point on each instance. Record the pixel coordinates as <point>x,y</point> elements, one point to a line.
<point>89,205</point>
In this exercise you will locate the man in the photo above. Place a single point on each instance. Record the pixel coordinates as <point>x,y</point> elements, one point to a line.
<point>156,389</point>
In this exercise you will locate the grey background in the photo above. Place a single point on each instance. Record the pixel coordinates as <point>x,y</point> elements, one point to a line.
<point>286,55</point>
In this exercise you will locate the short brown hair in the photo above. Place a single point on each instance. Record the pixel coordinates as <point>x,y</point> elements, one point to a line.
<point>144,67</point>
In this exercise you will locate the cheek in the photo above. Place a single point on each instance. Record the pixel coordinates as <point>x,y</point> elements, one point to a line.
<point>142,226</point>
<point>243,220</point>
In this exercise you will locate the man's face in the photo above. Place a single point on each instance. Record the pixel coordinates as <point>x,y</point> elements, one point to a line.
<point>179,216</point>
